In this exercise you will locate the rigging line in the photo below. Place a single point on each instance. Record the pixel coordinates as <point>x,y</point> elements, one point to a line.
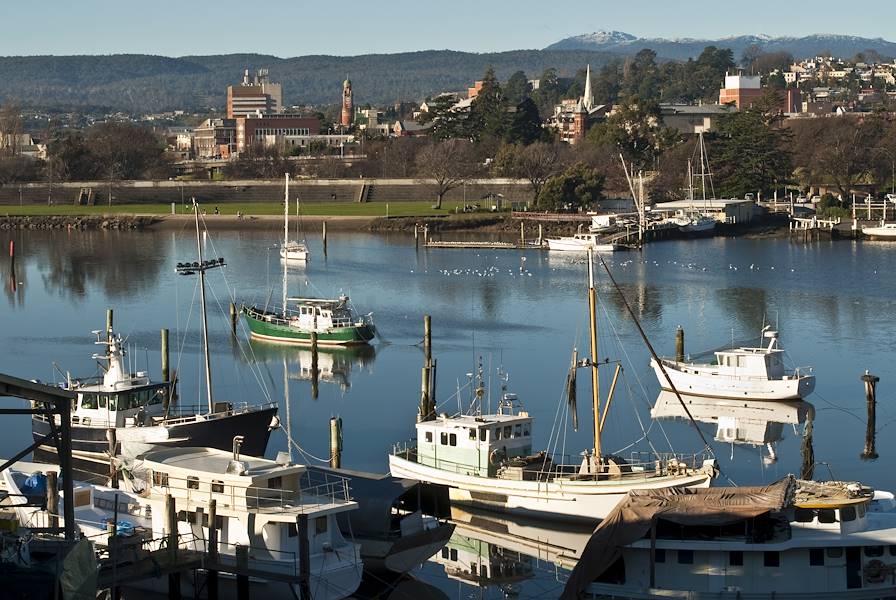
<point>652,351</point>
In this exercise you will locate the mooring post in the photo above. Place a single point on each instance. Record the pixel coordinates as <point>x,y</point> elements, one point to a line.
<point>427,338</point>
<point>335,442</point>
<point>871,398</point>
<point>324,235</point>
<point>522,233</point>
<point>53,498</point>
<point>314,369</point>
<point>212,549</point>
<point>112,440</point>
<point>425,414</point>
<point>540,234</point>
<point>304,558</point>
<point>165,356</point>
<point>425,235</point>
<point>12,250</point>
<point>679,344</point>
<point>242,578</point>
<point>171,526</point>
<point>109,324</point>
<point>234,317</point>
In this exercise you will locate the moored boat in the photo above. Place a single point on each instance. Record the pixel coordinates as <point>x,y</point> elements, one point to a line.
<point>884,231</point>
<point>332,321</point>
<point>580,242</point>
<point>750,373</point>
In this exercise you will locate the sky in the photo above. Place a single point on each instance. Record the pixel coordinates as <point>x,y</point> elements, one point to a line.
<point>298,27</point>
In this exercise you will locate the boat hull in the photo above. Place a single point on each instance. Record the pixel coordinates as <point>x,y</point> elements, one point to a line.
<point>337,336</point>
<point>880,233</point>
<point>569,499</point>
<point>405,553</point>
<point>560,245</point>
<point>90,446</point>
<point>721,386</point>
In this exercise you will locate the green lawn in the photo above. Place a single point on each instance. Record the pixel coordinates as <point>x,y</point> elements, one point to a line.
<point>365,209</point>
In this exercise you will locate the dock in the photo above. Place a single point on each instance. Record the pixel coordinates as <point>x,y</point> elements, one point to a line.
<point>487,245</point>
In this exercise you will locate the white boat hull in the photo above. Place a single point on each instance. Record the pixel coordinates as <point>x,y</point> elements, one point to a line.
<point>571,499</point>
<point>725,386</point>
<point>881,233</point>
<point>561,245</point>
<point>290,255</point>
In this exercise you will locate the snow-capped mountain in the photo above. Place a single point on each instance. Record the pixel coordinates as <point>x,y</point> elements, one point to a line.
<point>682,48</point>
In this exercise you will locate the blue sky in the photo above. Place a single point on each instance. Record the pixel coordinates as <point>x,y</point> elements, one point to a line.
<point>298,27</point>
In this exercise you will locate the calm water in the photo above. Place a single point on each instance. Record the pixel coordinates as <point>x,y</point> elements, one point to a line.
<point>834,303</point>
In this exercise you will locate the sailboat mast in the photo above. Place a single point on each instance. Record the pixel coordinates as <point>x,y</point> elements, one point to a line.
<point>285,241</point>
<point>208,365</point>
<point>703,168</point>
<point>595,379</point>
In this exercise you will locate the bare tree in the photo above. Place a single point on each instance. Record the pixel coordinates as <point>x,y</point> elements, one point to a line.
<point>447,163</point>
<point>536,163</point>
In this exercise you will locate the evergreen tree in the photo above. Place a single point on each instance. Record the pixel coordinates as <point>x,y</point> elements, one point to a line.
<point>525,124</point>
<point>517,88</point>
<point>579,187</point>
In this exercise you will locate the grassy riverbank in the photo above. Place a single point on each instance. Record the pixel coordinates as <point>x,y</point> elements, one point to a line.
<point>316,209</point>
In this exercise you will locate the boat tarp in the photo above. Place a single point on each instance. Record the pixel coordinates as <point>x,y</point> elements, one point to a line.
<point>634,516</point>
<point>78,577</point>
<point>375,495</point>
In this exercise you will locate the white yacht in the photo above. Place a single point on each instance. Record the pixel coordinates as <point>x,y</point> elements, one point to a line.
<point>258,505</point>
<point>487,460</point>
<point>742,372</point>
<point>794,540</point>
<point>884,231</point>
<point>580,242</point>
<point>291,251</point>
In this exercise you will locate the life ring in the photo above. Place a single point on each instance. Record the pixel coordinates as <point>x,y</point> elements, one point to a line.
<point>875,571</point>
<point>495,456</point>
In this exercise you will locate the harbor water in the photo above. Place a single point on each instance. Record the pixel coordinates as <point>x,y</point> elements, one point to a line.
<point>518,311</point>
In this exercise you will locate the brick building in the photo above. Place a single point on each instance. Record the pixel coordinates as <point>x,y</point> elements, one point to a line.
<point>254,95</point>
<point>215,138</point>
<point>282,130</point>
<point>741,90</point>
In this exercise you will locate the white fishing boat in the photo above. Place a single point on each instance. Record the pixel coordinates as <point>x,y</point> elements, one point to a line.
<point>263,505</point>
<point>750,373</point>
<point>792,540</point>
<point>487,460</point>
<point>292,251</point>
<point>580,242</point>
<point>884,231</point>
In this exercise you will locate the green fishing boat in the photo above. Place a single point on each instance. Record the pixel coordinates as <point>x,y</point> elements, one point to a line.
<point>333,321</point>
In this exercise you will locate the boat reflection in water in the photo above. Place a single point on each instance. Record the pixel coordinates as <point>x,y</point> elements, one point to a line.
<point>748,422</point>
<point>333,365</point>
<point>491,549</point>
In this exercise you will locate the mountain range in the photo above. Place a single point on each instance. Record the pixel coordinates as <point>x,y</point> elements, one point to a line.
<point>618,42</point>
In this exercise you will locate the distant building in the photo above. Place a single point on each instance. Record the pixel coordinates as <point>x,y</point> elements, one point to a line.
<point>348,104</point>
<point>281,130</point>
<point>215,138</point>
<point>691,119</point>
<point>373,121</point>
<point>741,90</point>
<point>410,128</point>
<point>254,96</point>
<point>472,92</point>
<point>574,117</point>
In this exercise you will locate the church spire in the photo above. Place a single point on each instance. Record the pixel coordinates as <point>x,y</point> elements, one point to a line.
<point>588,96</point>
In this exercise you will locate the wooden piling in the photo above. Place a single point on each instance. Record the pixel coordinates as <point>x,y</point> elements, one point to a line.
<point>315,373</point>
<point>679,344</point>
<point>304,558</point>
<point>522,233</point>
<point>242,580</point>
<point>53,498</point>
<point>540,234</point>
<point>324,235</point>
<point>165,356</point>
<point>12,250</point>
<point>870,452</point>
<point>335,442</point>
<point>234,317</point>
<point>112,440</point>
<point>426,411</point>
<point>427,338</point>
<point>171,534</point>
<point>109,323</point>
<point>211,583</point>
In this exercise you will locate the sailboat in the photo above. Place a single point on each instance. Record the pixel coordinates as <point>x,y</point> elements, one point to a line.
<point>486,460</point>
<point>291,251</point>
<point>141,411</point>
<point>325,321</point>
<point>693,221</point>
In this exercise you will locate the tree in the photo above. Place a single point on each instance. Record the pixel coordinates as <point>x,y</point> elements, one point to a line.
<point>578,187</point>
<point>752,151</point>
<point>259,162</point>
<point>488,112</point>
<point>447,163</point>
<point>68,158</point>
<point>636,129</point>
<point>525,124</point>
<point>517,88</point>
<point>535,163</point>
<point>125,151</point>
<point>642,77</point>
<point>447,121</point>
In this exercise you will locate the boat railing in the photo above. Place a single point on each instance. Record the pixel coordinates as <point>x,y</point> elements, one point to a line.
<point>260,559</point>
<point>195,412</point>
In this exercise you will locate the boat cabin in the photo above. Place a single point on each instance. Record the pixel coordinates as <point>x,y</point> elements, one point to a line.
<point>321,315</point>
<point>97,406</point>
<point>474,444</point>
<point>766,363</point>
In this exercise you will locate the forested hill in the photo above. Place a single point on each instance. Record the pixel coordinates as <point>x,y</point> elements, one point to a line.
<point>145,83</point>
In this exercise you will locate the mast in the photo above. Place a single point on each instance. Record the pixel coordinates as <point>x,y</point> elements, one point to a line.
<point>703,169</point>
<point>285,241</point>
<point>595,379</point>
<point>191,269</point>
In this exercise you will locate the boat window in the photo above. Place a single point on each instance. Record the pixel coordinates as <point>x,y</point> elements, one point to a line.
<point>827,515</point>
<point>157,396</point>
<point>497,433</point>
<point>159,478</point>
<point>685,557</point>
<point>892,550</point>
<point>484,571</point>
<point>860,510</point>
<point>473,568</point>
<point>874,550</point>
<point>835,552</point>
<point>444,439</point>
<point>428,436</point>
<point>101,401</point>
<point>444,552</point>
<point>507,429</point>
<point>483,434</point>
<point>771,559</point>
<point>89,401</point>
<point>816,557</point>
<point>848,513</point>
<point>804,515</point>
<point>192,482</point>
<point>85,421</point>
<point>452,439</point>
<point>217,486</point>
<point>275,483</point>
<point>453,554</point>
<point>320,525</point>
<point>526,429</point>
<point>518,431</point>
<point>736,558</point>
<point>473,433</point>
<point>660,555</point>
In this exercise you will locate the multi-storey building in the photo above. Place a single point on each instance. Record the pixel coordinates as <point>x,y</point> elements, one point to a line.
<point>741,90</point>
<point>254,95</point>
<point>215,138</point>
<point>282,130</point>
